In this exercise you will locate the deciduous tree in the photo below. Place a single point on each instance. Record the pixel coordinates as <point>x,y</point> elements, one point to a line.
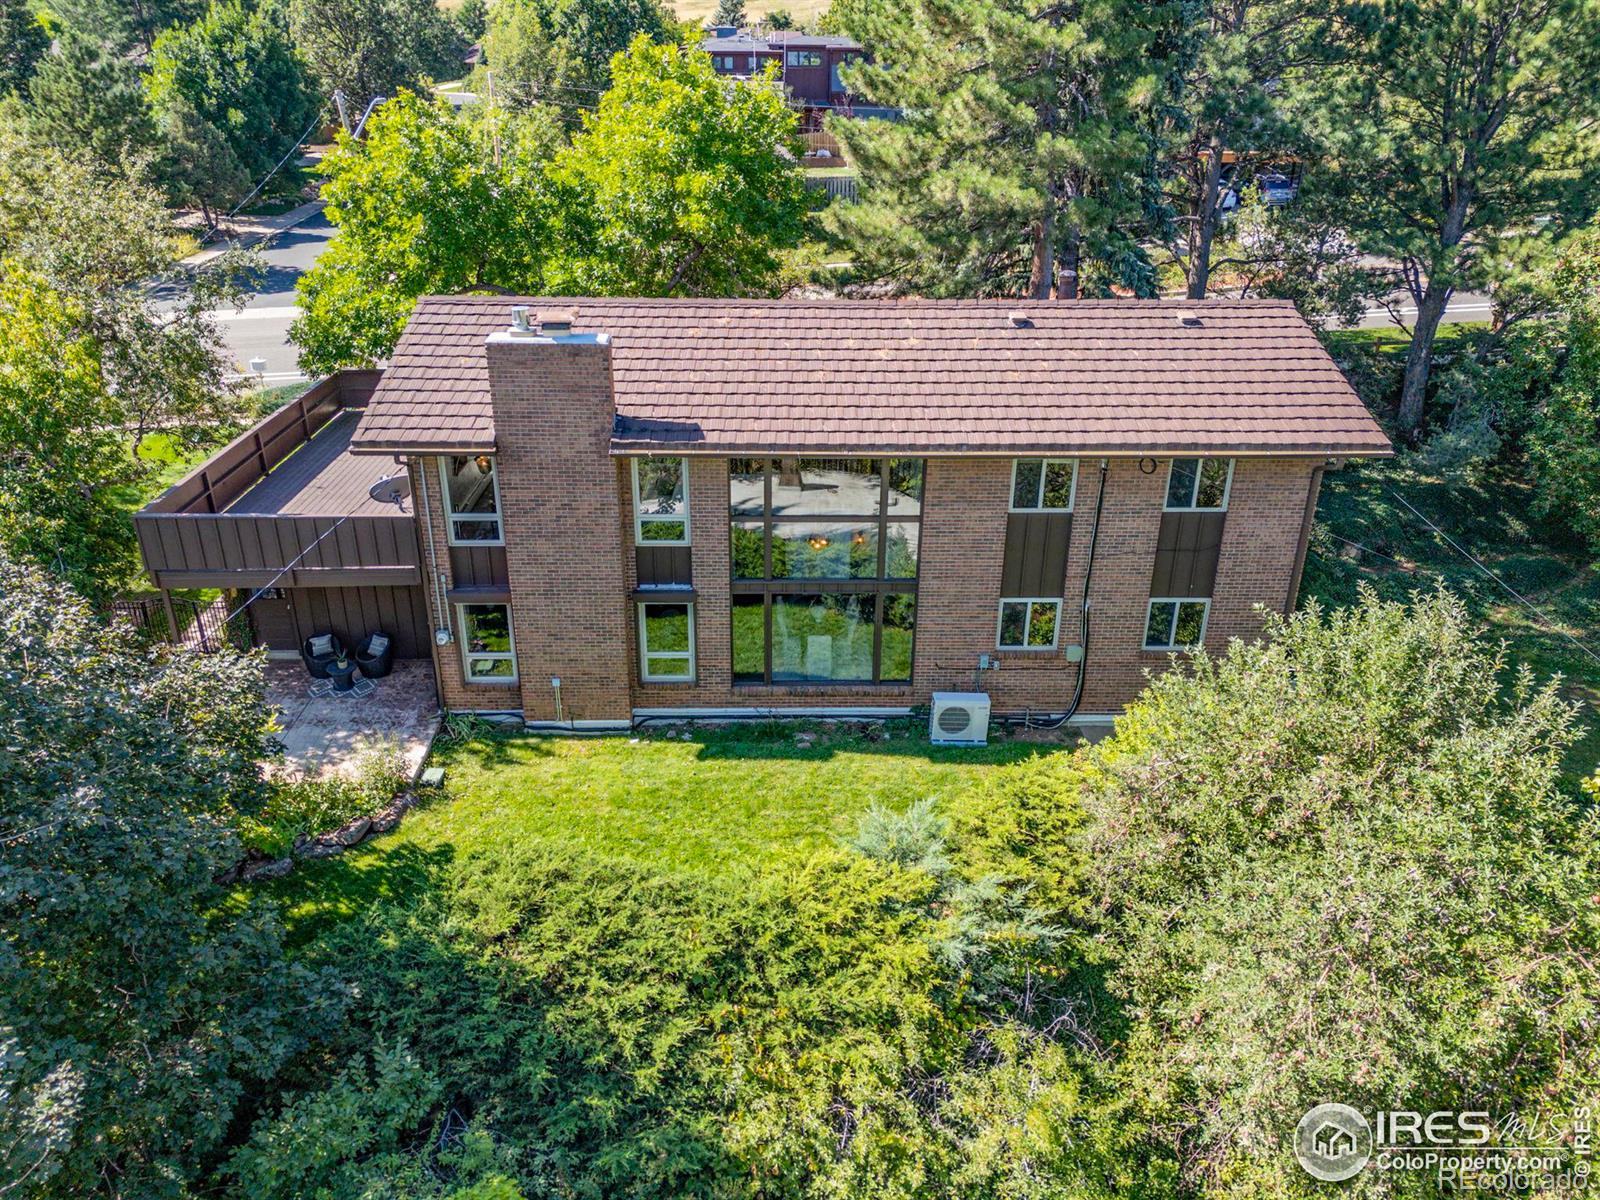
<point>370,48</point>
<point>1338,864</point>
<point>681,184</point>
<point>238,68</point>
<point>559,52</point>
<point>1020,164</point>
<point>128,993</point>
<point>1458,125</point>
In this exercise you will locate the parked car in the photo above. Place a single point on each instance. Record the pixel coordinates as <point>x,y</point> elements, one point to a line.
<point>1275,189</point>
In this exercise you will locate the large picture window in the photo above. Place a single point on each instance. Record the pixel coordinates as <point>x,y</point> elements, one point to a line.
<point>471,500</point>
<point>1199,484</point>
<point>487,653</point>
<point>660,502</point>
<point>824,568</point>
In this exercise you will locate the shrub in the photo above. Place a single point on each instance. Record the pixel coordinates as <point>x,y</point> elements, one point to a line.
<point>1338,866</point>
<point>313,805</point>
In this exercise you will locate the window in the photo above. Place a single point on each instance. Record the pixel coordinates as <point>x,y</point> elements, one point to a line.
<point>824,568</point>
<point>1043,484</point>
<point>487,654</point>
<point>1199,483</point>
<point>472,500</point>
<point>1176,624</point>
<point>805,58</point>
<point>660,502</point>
<point>666,642</point>
<point>1029,624</point>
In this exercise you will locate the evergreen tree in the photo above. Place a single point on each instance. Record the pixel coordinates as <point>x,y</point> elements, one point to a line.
<point>729,12</point>
<point>23,42</point>
<point>238,68</point>
<point>1229,54</point>
<point>125,24</point>
<point>197,165</point>
<point>87,98</point>
<point>1021,162</point>
<point>1455,127</point>
<point>370,48</point>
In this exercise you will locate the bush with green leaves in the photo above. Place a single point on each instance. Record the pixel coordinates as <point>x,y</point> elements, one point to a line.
<point>313,804</point>
<point>1337,865</point>
<point>135,1014</point>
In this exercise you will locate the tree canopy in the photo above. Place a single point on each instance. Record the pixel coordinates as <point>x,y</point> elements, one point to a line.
<point>87,98</point>
<point>238,69</point>
<point>371,48</point>
<point>134,1012</point>
<point>559,52</point>
<point>1457,128</point>
<point>1021,160</point>
<point>23,43</point>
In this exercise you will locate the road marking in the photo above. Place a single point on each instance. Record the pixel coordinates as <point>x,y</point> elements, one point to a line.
<point>255,314</point>
<point>269,377</point>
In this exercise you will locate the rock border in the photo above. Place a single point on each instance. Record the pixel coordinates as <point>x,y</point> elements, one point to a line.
<point>321,845</point>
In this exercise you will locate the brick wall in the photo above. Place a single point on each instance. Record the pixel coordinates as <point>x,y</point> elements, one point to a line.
<point>563,526</point>
<point>567,512</point>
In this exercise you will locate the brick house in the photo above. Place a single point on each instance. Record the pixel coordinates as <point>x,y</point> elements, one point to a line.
<point>808,67</point>
<point>707,506</point>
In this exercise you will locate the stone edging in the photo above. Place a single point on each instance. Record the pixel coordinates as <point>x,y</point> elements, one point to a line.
<point>322,845</point>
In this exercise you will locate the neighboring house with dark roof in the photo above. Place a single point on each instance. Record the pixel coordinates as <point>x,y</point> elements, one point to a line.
<point>808,66</point>
<point>703,506</point>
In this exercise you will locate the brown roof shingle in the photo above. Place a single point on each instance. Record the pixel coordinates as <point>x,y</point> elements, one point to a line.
<point>922,376</point>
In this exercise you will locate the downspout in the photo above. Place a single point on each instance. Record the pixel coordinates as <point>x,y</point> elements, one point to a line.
<point>1083,614</point>
<point>433,577</point>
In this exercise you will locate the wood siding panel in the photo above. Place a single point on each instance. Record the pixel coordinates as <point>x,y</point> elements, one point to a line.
<point>1035,562</point>
<point>1187,550</point>
<point>478,566</point>
<point>663,566</point>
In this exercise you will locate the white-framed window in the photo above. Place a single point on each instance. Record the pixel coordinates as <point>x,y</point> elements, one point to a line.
<point>666,641</point>
<point>1176,624</point>
<point>1199,484</point>
<point>488,654</point>
<point>471,488</point>
<point>1028,623</point>
<point>1043,484</point>
<point>661,501</point>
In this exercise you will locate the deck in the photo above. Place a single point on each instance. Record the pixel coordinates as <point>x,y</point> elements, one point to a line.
<point>320,479</point>
<point>285,504</point>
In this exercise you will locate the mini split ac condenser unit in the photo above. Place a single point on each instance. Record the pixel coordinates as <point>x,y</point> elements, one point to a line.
<point>959,719</point>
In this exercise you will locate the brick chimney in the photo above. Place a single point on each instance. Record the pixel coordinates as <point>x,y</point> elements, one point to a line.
<point>560,492</point>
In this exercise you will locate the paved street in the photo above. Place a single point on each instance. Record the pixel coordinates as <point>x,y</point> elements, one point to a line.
<point>261,328</point>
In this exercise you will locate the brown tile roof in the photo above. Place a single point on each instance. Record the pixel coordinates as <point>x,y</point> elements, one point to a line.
<point>921,376</point>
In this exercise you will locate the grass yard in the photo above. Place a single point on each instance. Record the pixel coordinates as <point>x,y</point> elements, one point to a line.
<point>754,793</point>
<point>1365,534</point>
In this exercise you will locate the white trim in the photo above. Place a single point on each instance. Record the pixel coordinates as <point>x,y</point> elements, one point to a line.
<point>639,520</point>
<point>1170,646</point>
<point>1027,623</point>
<point>1011,496</point>
<point>493,656</point>
<point>1201,459</point>
<point>646,654</point>
<point>498,516</point>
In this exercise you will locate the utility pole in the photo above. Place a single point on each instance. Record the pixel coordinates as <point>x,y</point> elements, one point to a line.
<point>338,103</point>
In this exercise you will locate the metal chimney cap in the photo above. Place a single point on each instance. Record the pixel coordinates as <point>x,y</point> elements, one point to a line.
<point>519,319</point>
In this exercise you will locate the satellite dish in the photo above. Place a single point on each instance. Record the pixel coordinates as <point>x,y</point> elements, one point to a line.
<point>391,489</point>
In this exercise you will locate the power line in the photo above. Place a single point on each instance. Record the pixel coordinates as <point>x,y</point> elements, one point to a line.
<point>1523,600</point>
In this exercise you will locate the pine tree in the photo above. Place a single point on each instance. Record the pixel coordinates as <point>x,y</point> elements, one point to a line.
<point>87,98</point>
<point>23,42</point>
<point>1454,128</point>
<point>1022,162</point>
<point>197,165</point>
<point>729,12</point>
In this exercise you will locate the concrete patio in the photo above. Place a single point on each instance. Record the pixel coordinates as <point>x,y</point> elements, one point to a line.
<point>325,735</point>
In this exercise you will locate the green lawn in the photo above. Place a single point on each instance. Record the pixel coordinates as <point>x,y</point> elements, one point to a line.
<point>745,792</point>
<point>1492,519</point>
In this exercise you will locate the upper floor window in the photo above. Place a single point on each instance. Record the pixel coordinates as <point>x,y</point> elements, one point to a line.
<point>661,502</point>
<point>472,500</point>
<point>805,58</point>
<point>1043,484</point>
<point>1200,484</point>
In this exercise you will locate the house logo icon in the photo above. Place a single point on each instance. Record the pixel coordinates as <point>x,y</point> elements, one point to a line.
<point>1332,1142</point>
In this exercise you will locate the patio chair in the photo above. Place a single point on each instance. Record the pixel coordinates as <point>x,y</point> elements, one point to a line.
<point>375,656</point>
<point>320,650</point>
